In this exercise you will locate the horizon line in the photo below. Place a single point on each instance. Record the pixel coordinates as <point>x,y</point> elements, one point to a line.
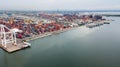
<point>65,10</point>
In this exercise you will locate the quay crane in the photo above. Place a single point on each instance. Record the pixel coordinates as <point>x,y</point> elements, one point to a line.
<point>7,36</point>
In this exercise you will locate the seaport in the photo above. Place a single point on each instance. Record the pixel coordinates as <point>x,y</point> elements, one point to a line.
<point>18,29</point>
<point>60,33</point>
<point>79,44</point>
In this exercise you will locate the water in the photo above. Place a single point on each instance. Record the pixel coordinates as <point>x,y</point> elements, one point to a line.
<point>79,47</point>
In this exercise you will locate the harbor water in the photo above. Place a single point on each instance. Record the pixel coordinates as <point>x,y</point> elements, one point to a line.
<point>78,47</point>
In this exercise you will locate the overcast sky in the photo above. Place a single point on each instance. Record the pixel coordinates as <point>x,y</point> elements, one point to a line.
<point>59,4</point>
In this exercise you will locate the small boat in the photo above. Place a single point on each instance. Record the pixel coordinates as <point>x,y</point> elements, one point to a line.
<point>27,44</point>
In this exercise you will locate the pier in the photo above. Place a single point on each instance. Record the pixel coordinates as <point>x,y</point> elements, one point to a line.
<point>8,40</point>
<point>12,48</point>
<point>96,24</point>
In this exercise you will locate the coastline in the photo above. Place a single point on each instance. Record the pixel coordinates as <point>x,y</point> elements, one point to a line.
<point>34,37</point>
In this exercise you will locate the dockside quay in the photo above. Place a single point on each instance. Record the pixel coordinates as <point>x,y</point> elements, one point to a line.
<point>17,29</point>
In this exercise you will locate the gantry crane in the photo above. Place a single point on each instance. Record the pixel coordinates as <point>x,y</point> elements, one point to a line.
<point>7,36</point>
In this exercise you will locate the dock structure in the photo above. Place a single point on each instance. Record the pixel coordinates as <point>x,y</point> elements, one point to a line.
<point>8,40</point>
<point>92,25</point>
<point>96,24</point>
<point>12,48</point>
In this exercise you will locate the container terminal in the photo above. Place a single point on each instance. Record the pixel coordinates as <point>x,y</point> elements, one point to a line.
<point>17,29</point>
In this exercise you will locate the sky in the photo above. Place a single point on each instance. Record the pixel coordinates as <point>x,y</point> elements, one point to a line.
<point>59,5</point>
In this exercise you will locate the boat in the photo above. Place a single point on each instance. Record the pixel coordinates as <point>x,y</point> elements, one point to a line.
<point>27,44</point>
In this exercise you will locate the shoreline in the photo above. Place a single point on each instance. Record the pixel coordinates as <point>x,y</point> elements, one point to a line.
<point>34,37</point>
